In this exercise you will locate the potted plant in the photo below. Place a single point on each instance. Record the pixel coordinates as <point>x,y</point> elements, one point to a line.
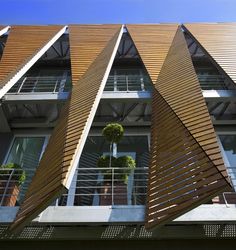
<point>115,170</point>
<point>12,176</point>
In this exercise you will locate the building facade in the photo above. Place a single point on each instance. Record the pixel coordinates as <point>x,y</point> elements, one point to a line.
<point>171,87</point>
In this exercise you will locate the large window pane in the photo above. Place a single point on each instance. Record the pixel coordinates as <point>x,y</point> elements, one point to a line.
<point>26,152</point>
<point>229,145</point>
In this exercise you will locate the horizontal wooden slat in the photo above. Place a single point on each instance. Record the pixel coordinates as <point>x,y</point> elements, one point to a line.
<point>23,43</point>
<point>153,43</point>
<point>85,51</point>
<point>61,155</point>
<point>179,174</point>
<point>218,40</point>
<point>185,157</point>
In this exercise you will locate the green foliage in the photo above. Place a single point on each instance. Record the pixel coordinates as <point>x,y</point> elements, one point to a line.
<point>123,167</point>
<point>104,162</point>
<point>113,132</point>
<point>18,175</point>
<point>125,162</point>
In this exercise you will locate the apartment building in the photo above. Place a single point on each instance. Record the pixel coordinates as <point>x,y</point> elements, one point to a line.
<point>171,87</point>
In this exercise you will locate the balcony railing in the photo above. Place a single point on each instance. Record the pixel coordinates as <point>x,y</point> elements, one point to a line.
<point>214,82</point>
<point>94,187</point>
<point>9,186</point>
<point>128,83</point>
<point>42,84</point>
<point>104,187</point>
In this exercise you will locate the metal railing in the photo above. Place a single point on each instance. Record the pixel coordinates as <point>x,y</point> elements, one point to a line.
<point>104,187</point>
<point>128,83</point>
<point>214,82</point>
<point>9,186</point>
<point>41,84</point>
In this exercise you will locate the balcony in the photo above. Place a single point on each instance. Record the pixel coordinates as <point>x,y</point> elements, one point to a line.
<point>40,88</point>
<point>41,84</point>
<point>92,187</point>
<point>128,83</point>
<point>214,82</point>
<point>10,181</point>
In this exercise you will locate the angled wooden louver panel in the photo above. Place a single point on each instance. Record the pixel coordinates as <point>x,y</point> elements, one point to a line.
<point>60,159</point>
<point>186,167</point>
<point>181,176</point>
<point>23,44</point>
<point>84,50</point>
<point>218,40</point>
<point>153,43</point>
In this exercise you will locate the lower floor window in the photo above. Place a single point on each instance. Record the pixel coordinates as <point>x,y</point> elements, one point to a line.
<point>228,142</point>
<point>25,152</point>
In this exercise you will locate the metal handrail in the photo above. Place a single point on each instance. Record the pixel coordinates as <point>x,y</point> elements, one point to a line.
<point>214,82</point>
<point>106,186</point>
<point>8,183</point>
<point>128,83</point>
<point>44,84</point>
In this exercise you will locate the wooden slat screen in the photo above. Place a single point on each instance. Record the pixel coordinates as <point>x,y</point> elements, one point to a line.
<point>218,40</point>
<point>186,166</point>
<point>179,86</point>
<point>83,50</point>
<point>153,43</point>
<point>181,176</point>
<point>69,135</point>
<point>22,44</point>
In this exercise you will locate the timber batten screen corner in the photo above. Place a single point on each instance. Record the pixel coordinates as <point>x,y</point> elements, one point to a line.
<point>26,44</point>
<point>68,138</point>
<point>218,41</point>
<point>186,167</point>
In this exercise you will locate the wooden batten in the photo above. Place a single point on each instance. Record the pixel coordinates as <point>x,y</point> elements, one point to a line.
<point>61,156</point>
<point>186,167</point>
<point>218,40</point>
<point>23,43</point>
<point>153,43</point>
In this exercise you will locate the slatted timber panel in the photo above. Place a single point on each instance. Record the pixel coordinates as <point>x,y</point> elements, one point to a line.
<point>218,40</point>
<point>85,50</point>
<point>22,44</point>
<point>179,86</point>
<point>181,176</point>
<point>153,43</point>
<point>67,138</point>
<point>186,165</point>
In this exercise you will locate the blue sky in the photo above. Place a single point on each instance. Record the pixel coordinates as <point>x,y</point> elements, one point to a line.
<point>115,11</point>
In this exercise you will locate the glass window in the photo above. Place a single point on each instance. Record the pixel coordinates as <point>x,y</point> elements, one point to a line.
<point>229,145</point>
<point>93,189</point>
<point>26,152</point>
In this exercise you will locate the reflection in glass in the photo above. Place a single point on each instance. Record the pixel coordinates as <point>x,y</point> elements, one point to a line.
<point>229,146</point>
<point>26,152</point>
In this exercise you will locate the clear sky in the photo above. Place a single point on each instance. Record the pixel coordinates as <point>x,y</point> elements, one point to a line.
<point>115,11</point>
